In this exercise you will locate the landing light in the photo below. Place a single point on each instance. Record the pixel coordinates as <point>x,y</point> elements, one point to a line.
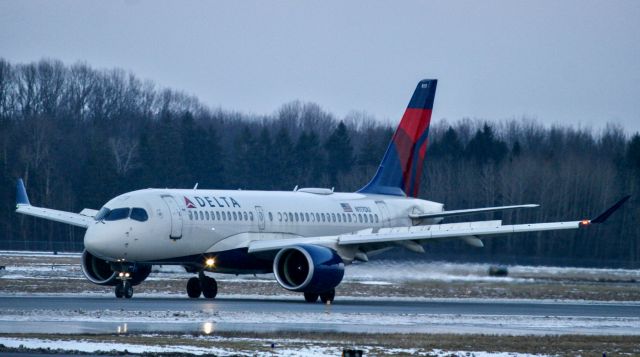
<point>210,262</point>
<point>585,222</point>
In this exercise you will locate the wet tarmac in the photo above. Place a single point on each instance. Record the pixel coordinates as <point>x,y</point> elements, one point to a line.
<point>39,314</point>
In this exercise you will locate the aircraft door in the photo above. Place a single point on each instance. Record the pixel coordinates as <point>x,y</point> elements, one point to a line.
<point>260,216</point>
<point>176,217</point>
<point>384,213</point>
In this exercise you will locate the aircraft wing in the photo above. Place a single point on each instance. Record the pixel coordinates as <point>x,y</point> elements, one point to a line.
<point>468,231</point>
<point>461,212</point>
<point>24,206</point>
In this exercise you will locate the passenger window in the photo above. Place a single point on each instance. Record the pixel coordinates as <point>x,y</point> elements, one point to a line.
<point>117,214</point>
<point>139,214</point>
<point>195,216</point>
<point>376,216</point>
<point>224,216</point>
<point>349,217</point>
<point>228,216</point>
<point>370,218</point>
<point>313,217</point>
<point>290,217</point>
<point>366,220</point>
<point>251,216</point>
<point>360,217</point>
<point>246,216</point>
<point>317,217</point>
<point>322,215</point>
<point>333,217</point>
<point>339,218</point>
<point>201,216</point>
<point>239,216</point>
<point>213,216</point>
<point>279,216</point>
<point>306,215</point>
<point>206,214</point>
<point>286,218</point>
<point>270,217</point>
<point>296,216</point>
<point>301,217</point>
<point>190,216</point>
<point>218,215</point>
<point>235,216</point>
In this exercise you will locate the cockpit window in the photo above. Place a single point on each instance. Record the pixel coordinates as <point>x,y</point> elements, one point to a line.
<point>117,214</point>
<point>102,213</point>
<point>139,214</point>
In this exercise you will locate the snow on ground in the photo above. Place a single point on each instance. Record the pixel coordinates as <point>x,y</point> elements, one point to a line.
<point>446,323</point>
<point>304,349</point>
<point>377,272</point>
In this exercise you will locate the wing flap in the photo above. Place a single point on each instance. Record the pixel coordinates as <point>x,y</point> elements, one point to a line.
<point>461,212</point>
<point>445,231</point>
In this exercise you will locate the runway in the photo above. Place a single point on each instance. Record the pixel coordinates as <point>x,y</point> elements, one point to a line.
<point>105,314</point>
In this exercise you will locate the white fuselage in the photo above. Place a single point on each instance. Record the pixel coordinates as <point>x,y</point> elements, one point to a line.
<point>182,224</point>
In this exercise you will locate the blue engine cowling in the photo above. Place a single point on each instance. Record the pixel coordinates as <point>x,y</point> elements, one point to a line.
<point>308,268</point>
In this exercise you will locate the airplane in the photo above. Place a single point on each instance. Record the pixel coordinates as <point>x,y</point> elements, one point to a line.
<point>305,237</point>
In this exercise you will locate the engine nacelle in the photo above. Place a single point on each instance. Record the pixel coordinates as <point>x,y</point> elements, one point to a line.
<point>99,271</point>
<point>308,268</point>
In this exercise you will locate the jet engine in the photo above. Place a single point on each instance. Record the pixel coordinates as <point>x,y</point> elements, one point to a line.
<point>308,268</point>
<point>99,271</point>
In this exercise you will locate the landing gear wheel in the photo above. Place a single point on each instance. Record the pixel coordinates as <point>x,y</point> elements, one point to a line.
<point>328,296</point>
<point>119,291</point>
<point>209,287</point>
<point>193,288</point>
<point>127,289</point>
<point>310,297</point>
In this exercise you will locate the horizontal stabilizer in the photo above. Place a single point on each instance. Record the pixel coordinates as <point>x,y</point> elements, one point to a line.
<point>462,212</point>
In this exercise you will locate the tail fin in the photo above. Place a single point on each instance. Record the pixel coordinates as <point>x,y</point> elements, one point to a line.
<point>400,171</point>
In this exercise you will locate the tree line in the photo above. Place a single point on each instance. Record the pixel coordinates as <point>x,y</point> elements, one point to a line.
<point>80,136</point>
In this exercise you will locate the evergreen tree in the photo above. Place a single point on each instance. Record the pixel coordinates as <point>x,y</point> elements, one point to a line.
<point>339,153</point>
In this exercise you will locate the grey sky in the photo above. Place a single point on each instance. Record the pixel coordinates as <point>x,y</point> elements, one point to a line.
<point>572,62</point>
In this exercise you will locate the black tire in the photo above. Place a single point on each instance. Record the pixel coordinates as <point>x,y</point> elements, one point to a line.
<point>193,288</point>
<point>127,290</point>
<point>311,297</point>
<point>119,291</point>
<point>209,287</point>
<point>328,296</point>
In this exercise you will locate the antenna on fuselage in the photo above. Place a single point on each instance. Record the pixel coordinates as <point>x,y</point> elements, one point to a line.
<point>196,186</point>
<point>295,189</point>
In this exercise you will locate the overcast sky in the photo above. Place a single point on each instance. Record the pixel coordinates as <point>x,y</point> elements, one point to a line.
<point>574,62</point>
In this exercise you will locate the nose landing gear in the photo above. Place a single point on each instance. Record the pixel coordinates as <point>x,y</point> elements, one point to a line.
<point>124,289</point>
<point>202,285</point>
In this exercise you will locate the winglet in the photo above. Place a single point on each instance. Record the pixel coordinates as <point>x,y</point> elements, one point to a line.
<point>21,194</point>
<point>604,215</point>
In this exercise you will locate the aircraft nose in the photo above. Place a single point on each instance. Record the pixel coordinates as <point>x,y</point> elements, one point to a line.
<point>99,243</point>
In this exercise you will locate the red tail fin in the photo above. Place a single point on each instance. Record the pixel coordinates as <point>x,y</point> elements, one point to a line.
<point>400,171</point>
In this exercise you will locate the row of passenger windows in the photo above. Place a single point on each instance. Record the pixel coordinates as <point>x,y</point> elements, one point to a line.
<point>285,216</point>
<point>221,216</point>
<point>326,217</point>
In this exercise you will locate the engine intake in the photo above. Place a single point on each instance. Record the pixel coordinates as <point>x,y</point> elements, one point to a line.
<point>308,268</point>
<point>99,271</point>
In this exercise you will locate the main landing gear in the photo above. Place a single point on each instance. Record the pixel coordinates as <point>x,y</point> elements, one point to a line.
<point>202,285</point>
<point>123,288</point>
<point>326,297</point>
